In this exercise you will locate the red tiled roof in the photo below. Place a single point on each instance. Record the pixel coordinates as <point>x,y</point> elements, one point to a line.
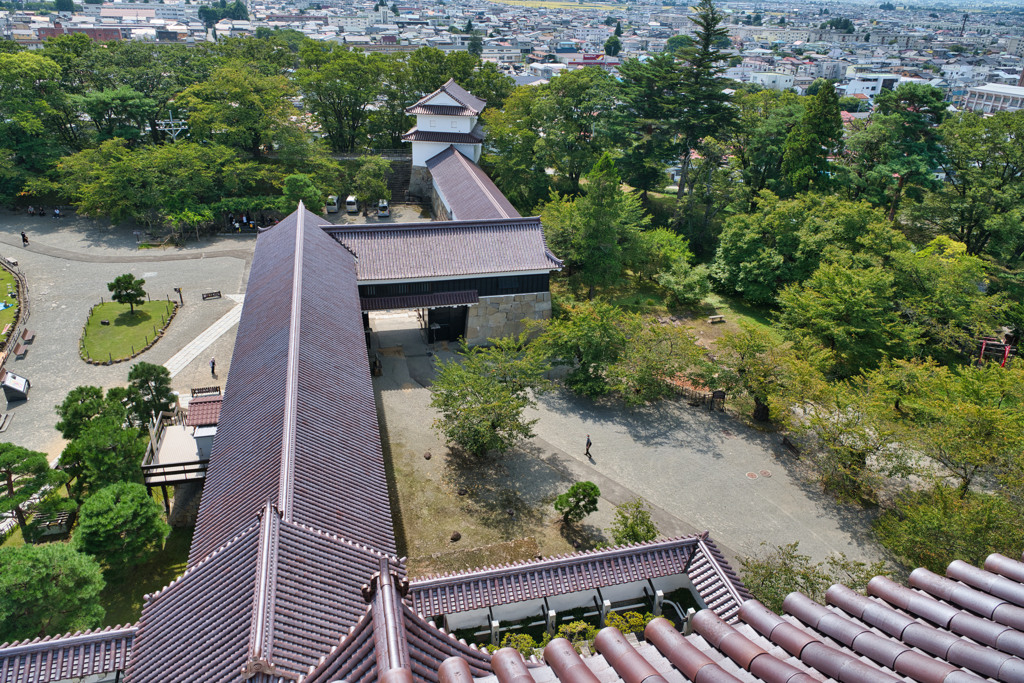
<point>492,586</point>
<point>436,300</point>
<point>472,104</point>
<point>203,411</point>
<point>467,189</point>
<point>446,248</point>
<point>303,444</point>
<point>474,137</point>
<point>391,633</point>
<point>439,110</point>
<point>71,656</point>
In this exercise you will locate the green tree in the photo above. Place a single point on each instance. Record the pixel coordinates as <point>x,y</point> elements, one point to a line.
<point>239,107</point>
<point>706,109</point>
<point>78,407</point>
<point>678,42</point>
<point>688,284</point>
<point>64,5</point>
<point>340,86</point>
<point>753,361</point>
<point>482,394</point>
<point>818,136</point>
<point>509,153</point>
<point>587,338</point>
<point>657,251</point>
<point>653,354</point>
<point>370,181</point>
<point>613,46</point>
<point>523,642</point>
<point>645,124</point>
<point>572,112</point>
<point>933,527</point>
<point>899,149</point>
<point>595,233</point>
<point>127,289</point>
<point>490,85</point>
<point>633,523</point>
<point>765,119</point>
<point>118,112</point>
<point>23,474</point>
<point>578,502</point>
<point>777,571</point>
<point>299,187</point>
<point>475,45</point>
<point>106,452</point>
<point>853,104</point>
<point>849,312</point>
<point>979,202</point>
<point>47,590</point>
<point>150,386</point>
<point>937,289</point>
<point>120,524</point>
<point>784,242</point>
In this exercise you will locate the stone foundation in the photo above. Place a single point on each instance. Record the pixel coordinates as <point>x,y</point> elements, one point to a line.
<point>502,316</point>
<point>421,185</point>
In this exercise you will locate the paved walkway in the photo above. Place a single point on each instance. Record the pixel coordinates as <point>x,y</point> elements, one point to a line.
<point>181,360</point>
<point>67,265</point>
<point>699,470</point>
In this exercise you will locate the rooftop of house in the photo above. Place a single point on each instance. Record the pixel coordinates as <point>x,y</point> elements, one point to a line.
<point>463,184</point>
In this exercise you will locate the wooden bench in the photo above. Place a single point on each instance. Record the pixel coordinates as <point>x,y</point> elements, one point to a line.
<point>27,336</point>
<point>712,319</point>
<point>20,350</point>
<point>210,295</point>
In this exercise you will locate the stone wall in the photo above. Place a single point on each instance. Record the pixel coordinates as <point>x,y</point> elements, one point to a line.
<point>421,185</point>
<point>502,316</point>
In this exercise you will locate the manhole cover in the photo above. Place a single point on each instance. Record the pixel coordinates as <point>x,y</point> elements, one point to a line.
<point>751,475</point>
<point>765,473</point>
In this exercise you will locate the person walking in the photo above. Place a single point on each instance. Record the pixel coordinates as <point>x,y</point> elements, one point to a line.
<point>587,452</point>
<point>213,367</point>
<point>24,239</point>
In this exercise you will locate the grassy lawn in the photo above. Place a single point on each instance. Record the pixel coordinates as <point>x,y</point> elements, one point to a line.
<point>8,314</point>
<point>122,598</point>
<point>128,333</point>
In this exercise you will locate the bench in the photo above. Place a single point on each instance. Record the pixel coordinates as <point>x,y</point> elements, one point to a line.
<point>20,350</point>
<point>27,336</point>
<point>712,319</point>
<point>211,295</point>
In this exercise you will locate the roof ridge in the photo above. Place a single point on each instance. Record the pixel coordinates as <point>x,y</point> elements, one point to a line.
<point>70,638</point>
<point>613,551</point>
<point>342,539</point>
<point>430,225</point>
<point>470,166</point>
<point>194,568</point>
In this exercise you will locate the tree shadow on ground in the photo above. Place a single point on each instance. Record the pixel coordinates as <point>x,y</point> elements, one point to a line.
<point>129,319</point>
<point>582,536</point>
<point>510,493</point>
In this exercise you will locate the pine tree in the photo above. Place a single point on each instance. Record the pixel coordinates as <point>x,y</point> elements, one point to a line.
<point>706,110</point>
<point>818,136</point>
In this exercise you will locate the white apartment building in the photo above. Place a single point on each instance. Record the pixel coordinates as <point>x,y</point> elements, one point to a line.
<point>993,97</point>
<point>871,84</point>
<point>773,80</point>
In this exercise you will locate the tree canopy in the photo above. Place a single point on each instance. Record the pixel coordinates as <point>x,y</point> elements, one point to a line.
<point>47,589</point>
<point>120,524</point>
